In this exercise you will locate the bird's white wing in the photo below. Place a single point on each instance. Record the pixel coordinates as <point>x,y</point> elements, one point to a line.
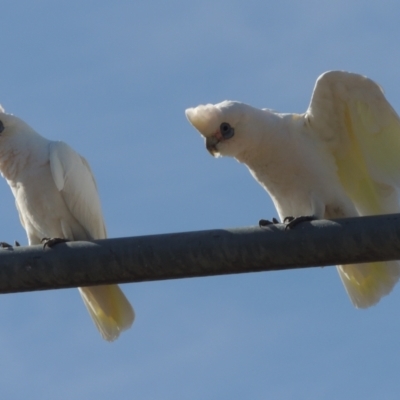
<point>107,305</point>
<point>74,179</point>
<point>352,116</point>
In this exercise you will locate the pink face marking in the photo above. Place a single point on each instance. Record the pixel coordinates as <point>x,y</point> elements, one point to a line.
<point>218,135</point>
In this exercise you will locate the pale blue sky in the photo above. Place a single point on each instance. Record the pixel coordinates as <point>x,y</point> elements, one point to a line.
<point>113,79</point>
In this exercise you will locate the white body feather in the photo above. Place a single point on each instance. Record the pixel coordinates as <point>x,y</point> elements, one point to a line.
<point>339,159</point>
<point>56,197</point>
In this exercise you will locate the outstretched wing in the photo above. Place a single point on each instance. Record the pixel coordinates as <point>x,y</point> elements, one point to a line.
<point>74,179</point>
<point>350,114</point>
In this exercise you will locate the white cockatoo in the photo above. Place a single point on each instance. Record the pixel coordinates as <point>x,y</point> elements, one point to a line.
<point>341,158</point>
<point>56,197</point>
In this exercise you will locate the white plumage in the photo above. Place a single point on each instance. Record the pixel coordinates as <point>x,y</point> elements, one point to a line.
<point>56,197</point>
<point>341,158</point>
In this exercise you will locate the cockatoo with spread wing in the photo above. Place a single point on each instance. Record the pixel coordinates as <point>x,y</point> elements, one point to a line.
<point>56,197</point>
<point>341,158</point>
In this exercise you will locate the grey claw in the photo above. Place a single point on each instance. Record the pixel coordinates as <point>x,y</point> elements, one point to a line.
<point>266,222</point>
<point>291,222</point>
<point>50,242</point>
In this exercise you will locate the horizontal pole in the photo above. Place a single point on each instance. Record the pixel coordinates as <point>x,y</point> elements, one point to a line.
<point>203,253</point>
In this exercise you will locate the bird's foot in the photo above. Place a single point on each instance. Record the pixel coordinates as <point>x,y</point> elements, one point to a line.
<point>266,222</point>
<point>50,242</point>
<point>5,245</point>
<point>291,222</point>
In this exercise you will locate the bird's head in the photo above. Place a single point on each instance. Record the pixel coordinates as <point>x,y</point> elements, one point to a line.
<point>223,125</point>
<point>10,125</point>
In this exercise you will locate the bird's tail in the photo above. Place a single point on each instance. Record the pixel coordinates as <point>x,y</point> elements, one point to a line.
<point>367,283</point>
<point>109,309</point>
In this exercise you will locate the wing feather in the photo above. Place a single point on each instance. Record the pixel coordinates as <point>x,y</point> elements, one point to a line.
<point>107,305</point>
<point>74,179</point>
<point>351,115</point>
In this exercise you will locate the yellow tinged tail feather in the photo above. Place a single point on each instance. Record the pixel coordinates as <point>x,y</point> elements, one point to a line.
<point>367,283</point>
<point>109,309</point>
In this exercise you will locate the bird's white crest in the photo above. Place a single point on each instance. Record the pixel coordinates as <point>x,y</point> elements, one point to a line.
<point>339,159</point>
<point>204,118</point>
<point>2,109</point>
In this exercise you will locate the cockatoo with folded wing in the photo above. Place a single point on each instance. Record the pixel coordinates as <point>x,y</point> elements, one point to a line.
<point>341,158</point>
<point>56,197</point>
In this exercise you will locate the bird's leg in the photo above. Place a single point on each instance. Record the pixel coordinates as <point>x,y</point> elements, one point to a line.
<point>291,222</point>
<point>50,242</point>
<point>266,222</point>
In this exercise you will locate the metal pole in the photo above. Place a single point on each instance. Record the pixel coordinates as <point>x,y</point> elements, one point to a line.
<point>203,253</point>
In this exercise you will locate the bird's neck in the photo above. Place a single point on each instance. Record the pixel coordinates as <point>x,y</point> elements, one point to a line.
<point>272,147</point>
<point>269,136</point>
<point>20,153</point>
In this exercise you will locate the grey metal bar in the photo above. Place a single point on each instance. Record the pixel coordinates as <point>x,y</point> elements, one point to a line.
<point>203,253</point>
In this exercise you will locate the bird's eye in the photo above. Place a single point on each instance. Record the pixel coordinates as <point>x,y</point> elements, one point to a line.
<point>226,130</point>
<point>1,126</point>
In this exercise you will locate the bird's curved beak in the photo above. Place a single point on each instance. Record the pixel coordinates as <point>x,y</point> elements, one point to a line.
<point>211,145</point>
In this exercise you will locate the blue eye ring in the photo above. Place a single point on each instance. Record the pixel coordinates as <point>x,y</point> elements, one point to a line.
<point>226,130</point>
